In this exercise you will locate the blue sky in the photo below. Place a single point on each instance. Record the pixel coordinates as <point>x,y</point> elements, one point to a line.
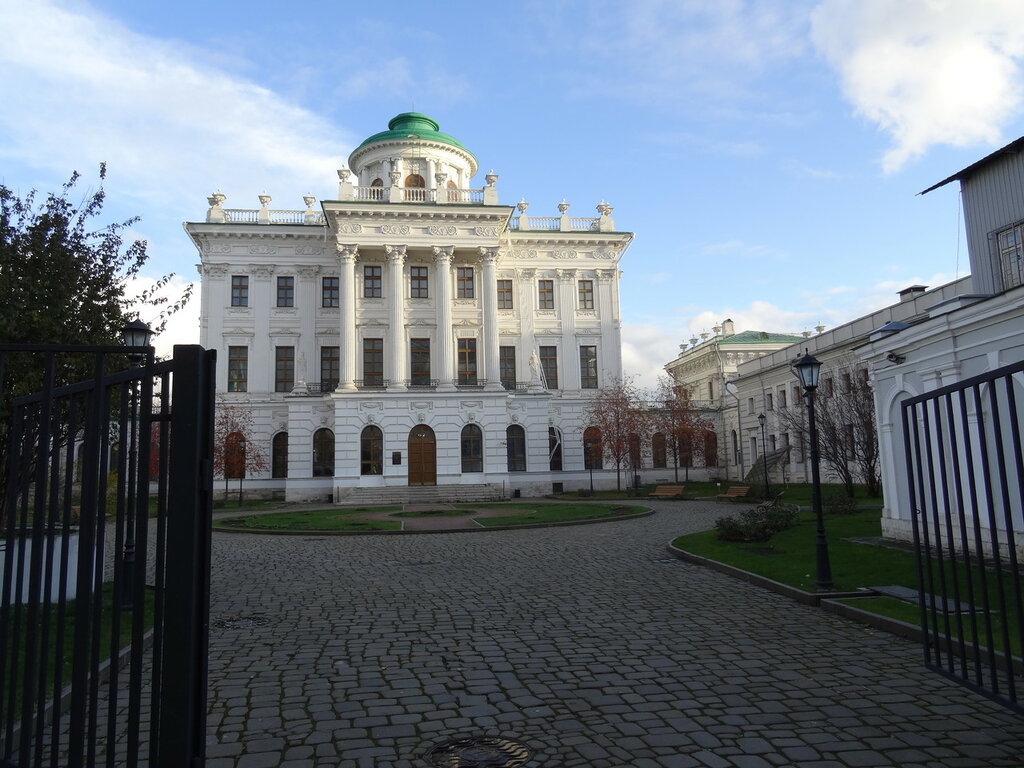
<point>767,154</point>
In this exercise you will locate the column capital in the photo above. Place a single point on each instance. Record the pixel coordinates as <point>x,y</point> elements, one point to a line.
<point>347,252</point>
<point>443,253</point>
<point>567,275</point>
<point>488,255</point>
<point>396,253</point>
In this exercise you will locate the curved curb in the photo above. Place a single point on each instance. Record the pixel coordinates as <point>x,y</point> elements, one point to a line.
<point>524,526</point>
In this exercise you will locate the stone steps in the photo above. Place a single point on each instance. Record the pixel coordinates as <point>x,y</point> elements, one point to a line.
<point>429,494</point>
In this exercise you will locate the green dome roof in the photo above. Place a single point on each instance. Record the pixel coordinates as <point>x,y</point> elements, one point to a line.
<point>414,125</point>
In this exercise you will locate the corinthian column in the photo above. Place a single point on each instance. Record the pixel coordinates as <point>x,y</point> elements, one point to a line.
<point>489,257</point>
<point>347,298</point>
<point>396,314</point>
<point>443,283</point>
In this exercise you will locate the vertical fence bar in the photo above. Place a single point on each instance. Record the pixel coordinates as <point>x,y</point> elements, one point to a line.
<point>1015,424</point>
<point>183,713</point>
<point>164,427</point>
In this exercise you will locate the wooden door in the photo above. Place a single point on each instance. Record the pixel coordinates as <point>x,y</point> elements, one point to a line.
<point>422,456</point>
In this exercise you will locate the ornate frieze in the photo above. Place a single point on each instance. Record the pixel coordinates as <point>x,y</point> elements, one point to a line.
<point>308,250</point>
<point>394,229</point>
<point>308,271</point>
<point>350,229</point>
<point>214,269</point>
<point>564,253</point>
<point>439,230</point>
<point>263,250</point>
<point>485,231</point>
<point>262,271</point>
<point>523,253</point>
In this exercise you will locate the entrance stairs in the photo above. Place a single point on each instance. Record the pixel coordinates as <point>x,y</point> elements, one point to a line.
<point>422,494</point>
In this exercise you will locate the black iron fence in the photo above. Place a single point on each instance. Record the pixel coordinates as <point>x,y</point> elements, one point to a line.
<point>105,516</point>
<point>966,478</point>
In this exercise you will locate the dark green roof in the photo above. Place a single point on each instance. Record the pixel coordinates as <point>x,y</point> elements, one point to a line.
<point>760,337</point>
<point>414,125</point>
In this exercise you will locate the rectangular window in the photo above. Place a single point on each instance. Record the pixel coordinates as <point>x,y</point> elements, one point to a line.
<point>769,402</point>
<point>286,291</point>
<point>284,369</point>
<point>750,405</point>
<point>549,366</point>
<point>545,294</point>
<point>418,282</point>
<point>828,388</point>
<point>464,282</point>
<point>800,446</point>
<point>711,390</point>
<point>330,294</point>
<point>419,362</point>
<point>851,443</point>
<point>238,369</point>
<point>588,367</point>
<point>330,368</point>
<point>239,290</point>
<point>771,443</point>
<point>753,449</point>
<point>798,398</point>
<point>373,362</point>
<point>372,282</point>
<point>467,361</point>
<point>586,294</point>
<point>507,366</point>
<point>1011,256</point>
<point>504,294</point>
<point>782,399</point>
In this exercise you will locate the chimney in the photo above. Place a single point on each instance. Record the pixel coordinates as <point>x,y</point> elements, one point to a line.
<point>728,329</point>
<point>911,293</point>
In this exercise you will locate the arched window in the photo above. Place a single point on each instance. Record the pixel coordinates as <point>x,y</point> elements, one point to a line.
<point>371,451</point>
<point>636,460</point>
<point>279,455</point>
<point>323,453</point>
<point>684,446</point>
<point>710,449</point>
<point>234,455</point>
<point>453,191</point>
<point>415,188</point>
<point>593,450</point>
<point>472,449</point>
<point>378,192</point>
<point>658,450</point>
<point>554,449</point>
<point>515,439</point>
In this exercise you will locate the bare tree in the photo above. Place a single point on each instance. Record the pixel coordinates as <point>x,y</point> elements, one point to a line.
<point>845,415</point>
<point>618,413</point>
<point>673,414</point>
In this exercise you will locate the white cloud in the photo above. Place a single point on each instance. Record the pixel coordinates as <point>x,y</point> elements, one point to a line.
<point>80,88</point>
<point>926,72</point>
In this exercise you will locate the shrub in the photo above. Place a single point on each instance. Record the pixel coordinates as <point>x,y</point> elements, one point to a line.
<point>839,504</point>
<point>758,523</point>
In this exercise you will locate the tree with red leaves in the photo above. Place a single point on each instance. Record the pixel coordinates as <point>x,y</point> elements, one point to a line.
<point>618,413</point>
<point>673,415</point>
<point>236,453</point>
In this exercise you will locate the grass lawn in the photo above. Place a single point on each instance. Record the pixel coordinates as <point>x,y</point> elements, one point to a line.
<point>434,513</point>
<point>794,493</point>
<point>789,557</point>
<point>524,513</point>
<point>314,520</point>
<point>67,653</point>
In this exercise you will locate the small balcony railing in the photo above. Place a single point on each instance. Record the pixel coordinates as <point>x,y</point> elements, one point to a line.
<point>470,383</point>
<point>515,385</point>
<point>372,384</point>
<point>421,383</point>
<point>321,387</point>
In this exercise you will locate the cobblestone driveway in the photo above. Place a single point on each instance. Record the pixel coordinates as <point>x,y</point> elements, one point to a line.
<point>588,644</point>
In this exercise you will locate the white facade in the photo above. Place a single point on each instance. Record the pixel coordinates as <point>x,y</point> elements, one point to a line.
<point>410,321</point>
<point>973,333</point>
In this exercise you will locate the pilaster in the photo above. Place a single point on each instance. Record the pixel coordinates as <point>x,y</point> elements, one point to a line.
<point>347,255</point>
<point>395,350</point>
<point>489,257</point>
<point>443,283</point>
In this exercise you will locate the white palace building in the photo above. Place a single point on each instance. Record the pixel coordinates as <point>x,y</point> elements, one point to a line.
<point>414,331</point>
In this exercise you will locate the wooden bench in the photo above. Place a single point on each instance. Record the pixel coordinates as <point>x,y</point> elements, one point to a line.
<point>667,492</point>
<point>735,492</point>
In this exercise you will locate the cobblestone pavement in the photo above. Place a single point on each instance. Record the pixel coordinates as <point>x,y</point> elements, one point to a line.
<point>587,644</point>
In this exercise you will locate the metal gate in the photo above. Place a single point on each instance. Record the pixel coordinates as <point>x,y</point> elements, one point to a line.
<point>966,479</point>
<point>105,515</point>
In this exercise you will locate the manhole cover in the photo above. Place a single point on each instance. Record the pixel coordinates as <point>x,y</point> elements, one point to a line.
<point>479,753</point>
<point>241,622</point>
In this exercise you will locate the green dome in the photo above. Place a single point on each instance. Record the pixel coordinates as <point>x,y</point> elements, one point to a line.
<point>414,125</point>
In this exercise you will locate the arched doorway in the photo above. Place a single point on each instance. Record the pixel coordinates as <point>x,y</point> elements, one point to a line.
<point>422,456</point>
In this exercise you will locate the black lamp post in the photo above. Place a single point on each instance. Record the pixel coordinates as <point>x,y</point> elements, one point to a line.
<point>136,336</point>
<point>807,368</point>
<point>241,467</point>
<point>761,419</point>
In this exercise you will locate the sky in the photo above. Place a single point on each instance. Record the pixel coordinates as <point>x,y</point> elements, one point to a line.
<point>768,154</point>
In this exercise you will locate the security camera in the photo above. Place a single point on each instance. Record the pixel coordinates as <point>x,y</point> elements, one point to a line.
<point>892,357</point>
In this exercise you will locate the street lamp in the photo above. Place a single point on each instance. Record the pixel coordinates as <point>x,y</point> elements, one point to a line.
<point>136,336</point>
<point>807,368</point>
<point>241,466</point>
<point>761,419</point>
